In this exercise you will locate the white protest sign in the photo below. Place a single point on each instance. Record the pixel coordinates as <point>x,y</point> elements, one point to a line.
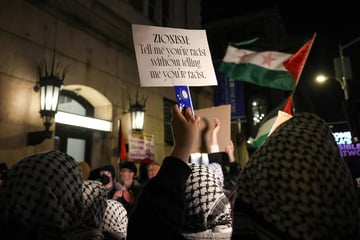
<point>172,56</point>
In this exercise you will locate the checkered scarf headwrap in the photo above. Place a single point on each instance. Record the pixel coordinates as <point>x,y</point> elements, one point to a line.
<point>42,193</point>
<point>207,213</point>
<point>115,219</point>
<point>298,182</point>
<point>217,169</point>
<point>108,215</point>
<point>94,203</point>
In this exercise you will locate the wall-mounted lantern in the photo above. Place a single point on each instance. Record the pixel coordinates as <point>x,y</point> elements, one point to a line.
<point>137,112</point>
<point>50,84</point>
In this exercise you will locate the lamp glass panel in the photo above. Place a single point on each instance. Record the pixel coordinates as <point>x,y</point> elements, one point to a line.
<point>137,120</point>
<point>49,97</point>
<point>42,98</point>
<point>55,98</point>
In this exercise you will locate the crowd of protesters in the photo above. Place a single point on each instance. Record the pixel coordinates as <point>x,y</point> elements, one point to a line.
<point>295,186</point>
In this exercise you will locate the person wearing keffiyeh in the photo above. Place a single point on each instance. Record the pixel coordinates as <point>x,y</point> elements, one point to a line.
<point>207,210</point>
<point>108,215</point>
<point>183,201</point>
<point>160,206</point>
<point>229,170</point>
<point>297,186</point>
<point>44,197</point>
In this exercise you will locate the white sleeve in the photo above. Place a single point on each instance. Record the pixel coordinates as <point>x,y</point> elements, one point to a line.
<point>214,148</point>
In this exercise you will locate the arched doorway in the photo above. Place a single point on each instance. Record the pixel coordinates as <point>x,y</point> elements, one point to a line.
<point>79,130</point>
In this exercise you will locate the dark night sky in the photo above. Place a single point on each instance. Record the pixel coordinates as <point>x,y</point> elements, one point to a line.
<point>333,26</point>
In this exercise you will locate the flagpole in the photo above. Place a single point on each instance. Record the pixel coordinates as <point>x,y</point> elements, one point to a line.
<point>347,104</point>
<point>343,79</point>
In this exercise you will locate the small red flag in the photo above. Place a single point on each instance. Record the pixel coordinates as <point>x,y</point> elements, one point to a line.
<point>122,148</point>
<point>296,62</point>
<point>295,65</point>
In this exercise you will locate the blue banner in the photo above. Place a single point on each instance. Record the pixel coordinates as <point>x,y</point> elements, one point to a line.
<point>229,92</point>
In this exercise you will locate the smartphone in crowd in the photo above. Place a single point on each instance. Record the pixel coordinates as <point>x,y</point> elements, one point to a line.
<point>183,98</point>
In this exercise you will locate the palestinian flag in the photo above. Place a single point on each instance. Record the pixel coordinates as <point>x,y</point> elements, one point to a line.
<point>262,129</point>
<point>266,63</point>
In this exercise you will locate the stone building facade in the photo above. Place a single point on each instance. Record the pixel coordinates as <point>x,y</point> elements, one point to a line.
<point>93,39</point>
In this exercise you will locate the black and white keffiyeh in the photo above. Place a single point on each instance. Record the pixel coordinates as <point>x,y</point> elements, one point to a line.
<point>299,184</point>
<point>107,215</point>
<point>208,213</point>
<point>115,219</point>
<point>94,203</point>
<point>217,169</point>
<point>42,195</point>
